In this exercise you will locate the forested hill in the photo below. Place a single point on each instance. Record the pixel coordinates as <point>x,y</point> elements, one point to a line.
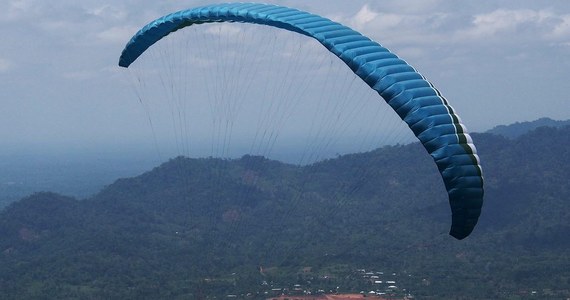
<point>519,128</point>
<point>194,227</point>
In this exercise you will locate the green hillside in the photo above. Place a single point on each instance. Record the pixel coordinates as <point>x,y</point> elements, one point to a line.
<point>192,228</point>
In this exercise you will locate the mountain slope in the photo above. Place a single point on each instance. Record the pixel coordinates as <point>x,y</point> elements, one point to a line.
<point>183,228</point>
<point>519,128</point>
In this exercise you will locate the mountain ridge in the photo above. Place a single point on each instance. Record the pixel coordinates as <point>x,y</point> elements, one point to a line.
<point>519,128</point>
<point>385,208</point>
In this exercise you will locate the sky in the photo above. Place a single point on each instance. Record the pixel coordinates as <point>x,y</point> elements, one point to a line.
<point>497,62</point>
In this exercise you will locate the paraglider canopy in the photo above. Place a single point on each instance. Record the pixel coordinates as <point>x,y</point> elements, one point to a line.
<point>427,113</point>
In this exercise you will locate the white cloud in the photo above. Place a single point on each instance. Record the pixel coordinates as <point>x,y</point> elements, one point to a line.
<point>108,12</point>
<point>438,24</point>
<point>364,16</point>
<point>118,34</point>
<point>503,22</point>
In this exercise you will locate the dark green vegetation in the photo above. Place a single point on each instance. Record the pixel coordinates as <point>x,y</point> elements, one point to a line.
<point>196,227</point>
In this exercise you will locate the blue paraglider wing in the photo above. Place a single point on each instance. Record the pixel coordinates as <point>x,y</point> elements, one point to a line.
<point>412,97</point>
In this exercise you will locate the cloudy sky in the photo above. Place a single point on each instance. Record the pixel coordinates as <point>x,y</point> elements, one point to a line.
<point>498,62</point>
